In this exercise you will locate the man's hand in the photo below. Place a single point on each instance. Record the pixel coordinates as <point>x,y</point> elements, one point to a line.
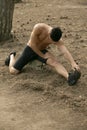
<point>75,67</point>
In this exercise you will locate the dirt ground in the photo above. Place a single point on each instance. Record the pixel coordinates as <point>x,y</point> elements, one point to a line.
<point>39,98</point>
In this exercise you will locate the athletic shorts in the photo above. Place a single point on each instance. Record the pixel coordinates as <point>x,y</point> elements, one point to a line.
<point>28,55</point>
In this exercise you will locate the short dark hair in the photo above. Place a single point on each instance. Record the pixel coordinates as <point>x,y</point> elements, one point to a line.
<point>56,34</point>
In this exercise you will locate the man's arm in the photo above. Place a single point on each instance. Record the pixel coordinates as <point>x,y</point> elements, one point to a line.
<point>67,54</point>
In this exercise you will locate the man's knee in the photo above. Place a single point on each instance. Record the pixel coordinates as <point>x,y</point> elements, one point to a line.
<point>13,70</point>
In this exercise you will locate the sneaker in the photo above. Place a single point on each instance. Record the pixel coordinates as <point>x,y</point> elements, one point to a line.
<point>73,77</point>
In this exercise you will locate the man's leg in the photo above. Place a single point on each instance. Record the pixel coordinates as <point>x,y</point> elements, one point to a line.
<point>55,64</point>
<point>11,64</point>
<point>10,61</point>
<point>26,56</point>
<point>49,59</point>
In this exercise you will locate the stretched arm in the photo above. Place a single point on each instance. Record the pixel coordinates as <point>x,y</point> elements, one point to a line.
<point>67,54</point>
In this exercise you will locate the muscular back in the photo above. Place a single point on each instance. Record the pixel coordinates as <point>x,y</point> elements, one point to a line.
<point>40,36</point>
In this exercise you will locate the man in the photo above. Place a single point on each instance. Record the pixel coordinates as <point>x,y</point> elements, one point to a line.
<point>41,37</point>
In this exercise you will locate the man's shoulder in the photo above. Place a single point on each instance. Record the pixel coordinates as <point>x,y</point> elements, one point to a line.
<point>60,43</point>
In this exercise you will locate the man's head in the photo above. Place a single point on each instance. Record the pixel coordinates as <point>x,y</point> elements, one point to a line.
<point>56,34</point>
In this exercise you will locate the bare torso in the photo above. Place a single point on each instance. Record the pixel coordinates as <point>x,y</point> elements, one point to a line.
<point>40,37</point>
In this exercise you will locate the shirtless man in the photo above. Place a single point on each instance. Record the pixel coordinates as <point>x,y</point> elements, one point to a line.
<point>41,37</point>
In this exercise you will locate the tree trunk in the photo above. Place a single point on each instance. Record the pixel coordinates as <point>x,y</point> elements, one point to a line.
<point>6,17</point>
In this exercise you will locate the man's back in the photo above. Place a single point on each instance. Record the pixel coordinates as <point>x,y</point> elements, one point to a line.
<point>40,36</point>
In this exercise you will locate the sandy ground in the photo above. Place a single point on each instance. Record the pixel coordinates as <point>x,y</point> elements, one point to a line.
<point>39,98</point>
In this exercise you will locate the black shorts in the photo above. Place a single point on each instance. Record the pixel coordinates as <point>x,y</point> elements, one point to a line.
<point>28,55</point>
